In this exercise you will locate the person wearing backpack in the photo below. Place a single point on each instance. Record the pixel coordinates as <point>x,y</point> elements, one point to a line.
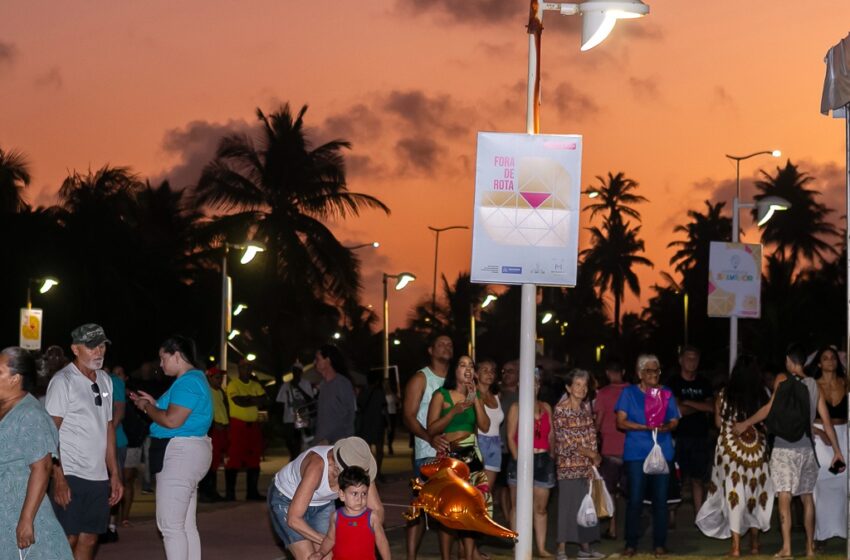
<point>788,417</point>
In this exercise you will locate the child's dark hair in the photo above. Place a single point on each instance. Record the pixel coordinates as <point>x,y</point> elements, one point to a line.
<point>353,476</point>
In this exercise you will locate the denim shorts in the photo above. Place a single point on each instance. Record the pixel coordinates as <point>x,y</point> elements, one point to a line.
<point>491,451</point>
<point>317,517</point>
<point>544,471</point>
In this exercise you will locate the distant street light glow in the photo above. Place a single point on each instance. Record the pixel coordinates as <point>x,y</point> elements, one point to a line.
<point>47,284</point>
<point>233,334</point>
<point>488,300</point>
<point>251,357</point>
<point>337,336</point>
<point>404,279</point>
<point>239,309</point>
<point>776,153</point>
<point>546,318</point>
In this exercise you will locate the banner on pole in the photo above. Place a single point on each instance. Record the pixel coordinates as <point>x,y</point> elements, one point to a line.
<point>527,206</point>
<point>30,329</point>
<point>734,280</point>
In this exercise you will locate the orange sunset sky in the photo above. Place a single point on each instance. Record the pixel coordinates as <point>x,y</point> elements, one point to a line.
<point>154,84</point>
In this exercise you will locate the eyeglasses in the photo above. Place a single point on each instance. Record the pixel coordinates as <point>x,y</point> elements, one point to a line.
<point>98,400</point>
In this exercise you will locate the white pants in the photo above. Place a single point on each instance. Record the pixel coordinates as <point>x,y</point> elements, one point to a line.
<point>187,460</point>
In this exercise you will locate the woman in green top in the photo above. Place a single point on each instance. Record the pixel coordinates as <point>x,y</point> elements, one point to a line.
<point>456,412</point>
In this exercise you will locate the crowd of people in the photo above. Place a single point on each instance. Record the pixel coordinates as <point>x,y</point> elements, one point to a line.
<point>73,449</point>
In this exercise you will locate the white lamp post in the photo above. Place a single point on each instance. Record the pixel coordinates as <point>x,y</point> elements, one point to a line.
<point>438,231</point>
<point>401,280</point>
<point>598,21</point>
<point>473,308</point>
<point>250,250</point>
<point>765,209</point>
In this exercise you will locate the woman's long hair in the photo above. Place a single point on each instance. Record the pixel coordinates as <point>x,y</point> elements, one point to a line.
<point>184,346</point>
<point>745,392</point>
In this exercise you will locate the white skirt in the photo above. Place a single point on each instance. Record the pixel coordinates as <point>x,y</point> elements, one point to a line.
<point>831,490</point>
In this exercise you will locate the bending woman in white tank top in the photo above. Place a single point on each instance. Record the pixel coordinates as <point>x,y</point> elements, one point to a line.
<point>301,496</point>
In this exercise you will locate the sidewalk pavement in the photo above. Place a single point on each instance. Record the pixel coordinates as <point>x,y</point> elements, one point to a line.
<point>242,530</point>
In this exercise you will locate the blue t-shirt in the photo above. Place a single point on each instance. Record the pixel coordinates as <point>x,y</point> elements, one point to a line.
<point>119,395</point>
<point>191,391</point>
<point>639,443</point>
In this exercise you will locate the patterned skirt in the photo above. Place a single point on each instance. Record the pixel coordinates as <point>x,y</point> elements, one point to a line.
<point>740,494</point>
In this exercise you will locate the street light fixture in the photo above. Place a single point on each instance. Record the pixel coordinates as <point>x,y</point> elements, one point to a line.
<point>250,357</point>
<point>438,231</point>
<point>374,245</point>
<point>47,284</point>
<point>239,309</point>
<point>600,19</point>
<point>250,250</point>
<point>546,318</point>
<point>401,280</point>
<point>765,208</point>
<point>233,334</point>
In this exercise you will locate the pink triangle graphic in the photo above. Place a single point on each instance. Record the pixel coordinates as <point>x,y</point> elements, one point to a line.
<point>535,199</point>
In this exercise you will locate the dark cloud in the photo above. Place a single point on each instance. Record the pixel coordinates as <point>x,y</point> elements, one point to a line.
<point>571,103</point>
<point>8,54</point>
<point>645,89</point>
<point>195,146</point>
<point>498,50</point>
<point>52,79</point>
<point>358,122</point>
<point>472,12</point>
<point>722,100</point>
<point>424,112</point>
<point>421,152</point>
<point>357,165</point>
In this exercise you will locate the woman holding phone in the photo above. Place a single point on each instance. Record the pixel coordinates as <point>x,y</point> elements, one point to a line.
<point>457,413</point>
<point>181,418</point>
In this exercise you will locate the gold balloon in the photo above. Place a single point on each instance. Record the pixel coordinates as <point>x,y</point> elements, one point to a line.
<point>448,497</point>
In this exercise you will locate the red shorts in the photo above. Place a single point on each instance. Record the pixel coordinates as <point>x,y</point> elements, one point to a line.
<point>246,445</point>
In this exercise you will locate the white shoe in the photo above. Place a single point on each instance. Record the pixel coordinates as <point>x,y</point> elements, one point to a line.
<point>590,554</point>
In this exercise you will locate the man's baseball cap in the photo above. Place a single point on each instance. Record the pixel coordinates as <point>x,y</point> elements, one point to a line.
<point>354,452</point>
<point>89,334</point>
<point>215,370</point>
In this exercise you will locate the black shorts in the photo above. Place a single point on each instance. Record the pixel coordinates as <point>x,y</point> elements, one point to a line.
<point>693,454</point>
<point>88,511</point>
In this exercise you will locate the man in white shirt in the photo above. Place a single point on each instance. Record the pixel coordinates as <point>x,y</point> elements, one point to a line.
<point>86,477</point>
<point>295,394</point>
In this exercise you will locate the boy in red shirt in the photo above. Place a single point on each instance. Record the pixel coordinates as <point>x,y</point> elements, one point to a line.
<point>354,532</point>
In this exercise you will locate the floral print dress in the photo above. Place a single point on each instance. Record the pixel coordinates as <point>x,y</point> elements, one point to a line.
<point>740,494</point>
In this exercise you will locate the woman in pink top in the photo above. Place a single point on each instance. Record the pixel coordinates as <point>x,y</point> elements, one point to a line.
<point>544,465</point>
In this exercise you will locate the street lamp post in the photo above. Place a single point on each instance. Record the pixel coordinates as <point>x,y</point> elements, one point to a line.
<point>473,308</point>
<point>250,250</point>
<point>598,21</point>
<point>401,280</point>
<point>737,205</point>
<point>438,231</point>
<point>373,244</point>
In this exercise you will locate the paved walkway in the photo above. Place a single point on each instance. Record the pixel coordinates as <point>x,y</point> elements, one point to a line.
<point>241,530</point>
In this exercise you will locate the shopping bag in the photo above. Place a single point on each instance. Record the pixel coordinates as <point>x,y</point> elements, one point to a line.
<point>655,463</point>
<point>655,405</point>
<point>587,512</point>
<point>602,501</point>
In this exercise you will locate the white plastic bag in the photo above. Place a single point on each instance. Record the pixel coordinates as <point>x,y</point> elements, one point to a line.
<point>602,501</point>
<point>655,463</point>
<point>587,511</point>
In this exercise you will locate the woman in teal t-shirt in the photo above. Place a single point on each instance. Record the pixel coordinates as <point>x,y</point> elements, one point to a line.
<point>180,419</point>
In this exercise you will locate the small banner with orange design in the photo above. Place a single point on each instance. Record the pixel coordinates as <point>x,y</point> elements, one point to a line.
<point>31,329</point>
<point>734,280</point>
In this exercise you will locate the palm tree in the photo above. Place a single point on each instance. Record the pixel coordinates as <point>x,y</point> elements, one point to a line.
<point>613,254</point>
<point>284,191</point>
<point>616,197</point>
<point>801,232</point>
<point>692,252</point>
<point>14,177</point>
